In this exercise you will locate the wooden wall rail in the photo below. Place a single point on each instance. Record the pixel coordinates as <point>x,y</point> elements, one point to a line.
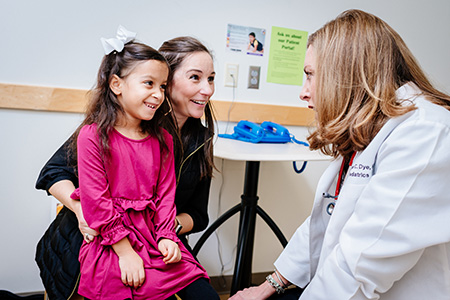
<point>27,97</point>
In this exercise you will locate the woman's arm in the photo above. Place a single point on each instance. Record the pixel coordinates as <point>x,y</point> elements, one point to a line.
<point>58,178</point>
<point>57,168</point>
<point>192,203</point>
<point>62,190</point>
<point>185,221</point>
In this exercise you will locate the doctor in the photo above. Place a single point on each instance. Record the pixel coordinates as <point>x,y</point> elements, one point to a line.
<point>379,225</point>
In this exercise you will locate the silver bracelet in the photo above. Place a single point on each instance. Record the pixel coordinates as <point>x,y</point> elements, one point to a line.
<point>278,288</point>
<point>279,278</point>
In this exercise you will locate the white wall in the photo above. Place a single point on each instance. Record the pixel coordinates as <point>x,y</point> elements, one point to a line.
<point>56,43</point>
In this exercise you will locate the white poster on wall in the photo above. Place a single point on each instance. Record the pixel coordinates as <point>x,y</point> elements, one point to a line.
<point>247,40</point>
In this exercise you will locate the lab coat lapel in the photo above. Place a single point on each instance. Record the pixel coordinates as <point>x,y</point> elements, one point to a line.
<point>317,228</point>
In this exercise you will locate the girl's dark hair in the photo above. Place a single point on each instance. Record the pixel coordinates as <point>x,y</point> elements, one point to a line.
<point>176,51</point>
<point>104,108</point>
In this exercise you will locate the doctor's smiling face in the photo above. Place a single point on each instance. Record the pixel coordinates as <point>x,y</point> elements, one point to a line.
<point>307,93</point>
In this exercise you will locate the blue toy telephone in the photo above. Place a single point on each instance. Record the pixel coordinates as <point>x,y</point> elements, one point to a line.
<point>267,132</point>
<point>276,132</point>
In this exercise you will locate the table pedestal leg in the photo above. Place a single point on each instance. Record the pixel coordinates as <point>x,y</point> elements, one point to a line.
<point>272,225</point>
<point>247,223</point>
<point>248,209</point>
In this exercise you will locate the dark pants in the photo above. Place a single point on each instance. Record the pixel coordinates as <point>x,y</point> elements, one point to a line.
<point>7,295</point>
<point>289,294</point>
<point>199,289</point>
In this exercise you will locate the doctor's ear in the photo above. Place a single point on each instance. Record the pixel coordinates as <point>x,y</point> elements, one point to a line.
<point>115,84</point>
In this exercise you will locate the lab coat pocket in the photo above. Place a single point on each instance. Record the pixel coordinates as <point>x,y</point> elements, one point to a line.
<point>345,206</point>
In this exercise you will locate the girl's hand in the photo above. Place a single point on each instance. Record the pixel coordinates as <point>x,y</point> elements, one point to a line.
<point>130,263</point>
<point>132,269</point>
<point>170,250</point>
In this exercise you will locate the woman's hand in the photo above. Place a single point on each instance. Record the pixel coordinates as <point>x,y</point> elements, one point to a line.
<point>88,233</point>
<point>130,263</point>
<point>62,190</point>
<point>170,250</point>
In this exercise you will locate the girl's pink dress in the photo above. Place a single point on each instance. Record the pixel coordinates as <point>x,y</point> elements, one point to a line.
<point>129,194</point>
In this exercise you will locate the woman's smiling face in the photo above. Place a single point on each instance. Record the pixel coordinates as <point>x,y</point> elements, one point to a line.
<point>192,86</point>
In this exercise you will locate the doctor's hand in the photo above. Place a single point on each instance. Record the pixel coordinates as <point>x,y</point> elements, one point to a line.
<point>170,250</point>
<point>260,292</point>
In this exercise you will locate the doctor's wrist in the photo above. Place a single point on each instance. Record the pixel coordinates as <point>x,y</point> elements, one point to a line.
<point>275,284</point>
<point>281,280</point>
<point>265,290</point>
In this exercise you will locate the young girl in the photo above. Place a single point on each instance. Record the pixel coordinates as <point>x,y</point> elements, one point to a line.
<point>191,76</point>
<point>127,181</point>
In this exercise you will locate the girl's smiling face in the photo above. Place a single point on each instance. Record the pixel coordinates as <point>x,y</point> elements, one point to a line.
<point>192,86</point>
<point>142,91</point>
<point>308,90</point>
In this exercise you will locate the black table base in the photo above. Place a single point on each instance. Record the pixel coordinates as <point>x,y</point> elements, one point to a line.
<point>248,209</point>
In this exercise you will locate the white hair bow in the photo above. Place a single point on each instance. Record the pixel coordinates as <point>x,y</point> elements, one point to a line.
<point>123,36</point>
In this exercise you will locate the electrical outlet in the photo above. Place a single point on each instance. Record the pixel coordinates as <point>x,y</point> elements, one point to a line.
<point>253,77</point>
<point>231,75</point>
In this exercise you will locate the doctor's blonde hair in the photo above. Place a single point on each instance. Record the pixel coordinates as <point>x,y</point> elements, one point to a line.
<point>360,63</point>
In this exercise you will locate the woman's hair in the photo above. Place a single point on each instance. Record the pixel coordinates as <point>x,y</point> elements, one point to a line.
<point>176,51</point>
<point>104,108</point>
<point>360,63</point>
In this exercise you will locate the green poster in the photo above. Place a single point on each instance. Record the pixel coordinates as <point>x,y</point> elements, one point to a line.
<point>286,56</point>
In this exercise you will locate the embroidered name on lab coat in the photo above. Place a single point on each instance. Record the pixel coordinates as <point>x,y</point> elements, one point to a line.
<point>360,171</point>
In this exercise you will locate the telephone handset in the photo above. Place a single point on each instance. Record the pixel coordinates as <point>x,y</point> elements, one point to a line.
<point>267,132</point>
<point>276,130</point>
<point>249,130</point>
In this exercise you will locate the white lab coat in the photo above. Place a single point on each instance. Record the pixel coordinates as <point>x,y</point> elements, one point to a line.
<point>389,235</point>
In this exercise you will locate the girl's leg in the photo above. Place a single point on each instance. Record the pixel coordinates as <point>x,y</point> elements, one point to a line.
<point>199,289</point>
